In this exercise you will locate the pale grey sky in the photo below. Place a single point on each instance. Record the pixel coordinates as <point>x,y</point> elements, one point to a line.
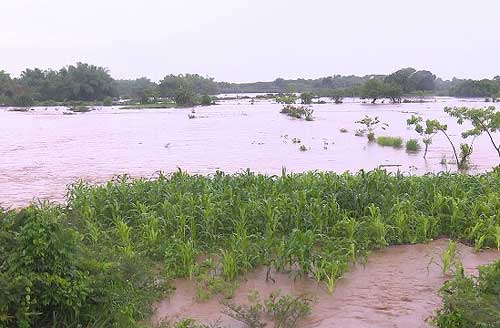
<point>250,40</point>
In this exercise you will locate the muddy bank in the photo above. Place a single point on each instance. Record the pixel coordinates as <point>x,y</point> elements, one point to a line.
<point>396,288</point>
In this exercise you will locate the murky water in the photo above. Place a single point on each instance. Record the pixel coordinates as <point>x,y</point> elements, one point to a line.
<point>396,288</point>
<point>41,151</point>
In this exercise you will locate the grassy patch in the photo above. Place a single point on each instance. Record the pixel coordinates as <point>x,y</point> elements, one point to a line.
<point>106,255</point>
<point>387,141</point>
<point>412,145</point>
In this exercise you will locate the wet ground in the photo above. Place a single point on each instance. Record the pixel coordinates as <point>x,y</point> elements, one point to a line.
<point>43,150</point>
<point>398,287</point>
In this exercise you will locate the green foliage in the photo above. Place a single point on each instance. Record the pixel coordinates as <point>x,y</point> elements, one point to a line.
<point>286,311</point>
<point>141,89</point>
<point>373,89</point>
<point>470,302</point>
<point>107,254</point>
<point>306,98</point>
<point>108,101</point>
<point>206,100</point>
<point>51,277</point>
<point>396,142</point>
<point>472,88</point>
<point>251,314</point>
<point>371,124</point>
<point>286,98</point>
<point>412,145</point>
<point>80,82</point>
<point>300,112</point>
<point>170,86</point>
<point>483,120</point>
<point>432,127</point>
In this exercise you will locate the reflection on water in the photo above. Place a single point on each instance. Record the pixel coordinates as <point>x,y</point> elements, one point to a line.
<point>43,150</point>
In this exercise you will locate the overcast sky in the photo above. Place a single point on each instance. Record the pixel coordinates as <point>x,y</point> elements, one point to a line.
<point>250,40</point>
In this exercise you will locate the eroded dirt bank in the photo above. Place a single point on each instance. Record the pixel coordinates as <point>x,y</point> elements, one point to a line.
<point>396,288</point>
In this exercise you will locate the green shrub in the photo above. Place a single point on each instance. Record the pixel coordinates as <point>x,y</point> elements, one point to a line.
<point>470,302</point>
<point>108,101</point>
<point>395,142</point>
<point>412,145</point>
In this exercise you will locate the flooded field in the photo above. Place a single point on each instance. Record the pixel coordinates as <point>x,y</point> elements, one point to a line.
<point>43,150</point>
<point>383,293</point>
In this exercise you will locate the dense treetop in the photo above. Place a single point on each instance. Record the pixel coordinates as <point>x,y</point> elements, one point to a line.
<point>85,82</point>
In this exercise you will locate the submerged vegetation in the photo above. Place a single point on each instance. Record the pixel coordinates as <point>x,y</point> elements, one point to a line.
<point>112,249</point>
<point>412,145</point>
<point>395,142</point>
<point>300,112</point>
<point>371,124</point>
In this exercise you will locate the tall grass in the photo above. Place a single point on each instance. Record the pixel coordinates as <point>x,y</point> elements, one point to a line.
<point>387,141</point>
<point>129,235</point>
<point>412,145</point>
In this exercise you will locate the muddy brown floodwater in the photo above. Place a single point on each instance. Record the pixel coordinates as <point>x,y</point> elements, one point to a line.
<point>396,288</point>
<point>43,150</point>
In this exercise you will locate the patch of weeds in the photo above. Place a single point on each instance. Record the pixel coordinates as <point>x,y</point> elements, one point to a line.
<point>287,310</point>
<point>251,314</point>
<point>471,302</point>
<point>395,142</point>
<point>412,145</point>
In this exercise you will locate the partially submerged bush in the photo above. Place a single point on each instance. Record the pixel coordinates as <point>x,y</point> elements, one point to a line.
<point>388,141</point>
<point>286,311</point>
<point>298,112</point>
<point>412,145</point>
<point>80,109</point>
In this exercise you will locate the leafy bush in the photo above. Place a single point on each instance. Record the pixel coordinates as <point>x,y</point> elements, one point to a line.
<point>471,302</point>
<point>49,277</point>
<point>298,112</point>
<point>286,311</point>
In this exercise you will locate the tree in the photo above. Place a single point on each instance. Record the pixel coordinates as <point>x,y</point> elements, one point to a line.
<point>393,91</point>
<point>483,120</point>
<point>306,98</point>
<point>373,89</point>
<point>337,96</point>
<point>402,78</point>
<point>432,127</point>
<point>472,88</point>
<point>206,100</point>
<point>371,124</point>
<point>427,134</point>
<point>184,95</point>
<point>423,80</point>
<point>6,88</point>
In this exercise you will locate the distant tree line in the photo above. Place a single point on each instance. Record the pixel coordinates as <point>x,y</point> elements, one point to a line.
<point>89,83</point>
